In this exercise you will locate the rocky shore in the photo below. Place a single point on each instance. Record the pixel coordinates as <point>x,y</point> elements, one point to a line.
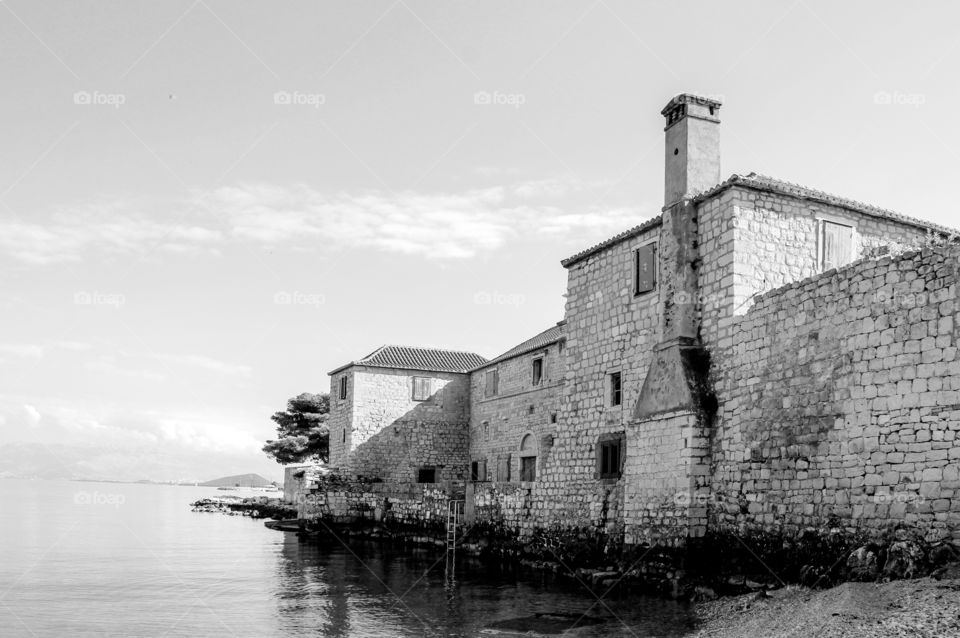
<point>924,607</point>
<point>253,506</point>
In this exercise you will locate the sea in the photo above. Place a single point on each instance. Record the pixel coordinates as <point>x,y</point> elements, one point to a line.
<point>113,559</point>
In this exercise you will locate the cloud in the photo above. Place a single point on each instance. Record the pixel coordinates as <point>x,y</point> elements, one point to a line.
<point>33,414</point>
<point>205,363</point>
<point>26,350</point>
<point>435,225</point>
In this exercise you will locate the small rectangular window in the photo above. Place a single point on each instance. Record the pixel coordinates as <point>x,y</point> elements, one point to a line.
<point>644,269</point>
<point>609,455</point>
<point>427,475</point>
<point>528,468</point>
<point>343,387</point>
<point>343,437</point>
<point>616,389</point>
<point>490,383</point>
<point>836,245</point>
<point>538,371</point>
<point>478,471</point>
<point>503,469</point>
<point>422,388</point>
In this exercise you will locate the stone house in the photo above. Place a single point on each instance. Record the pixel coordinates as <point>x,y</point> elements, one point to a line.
<point>744,360</point>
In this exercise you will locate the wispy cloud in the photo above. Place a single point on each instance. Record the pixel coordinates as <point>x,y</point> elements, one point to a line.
<point>434,225</point>
<point>205,363</point>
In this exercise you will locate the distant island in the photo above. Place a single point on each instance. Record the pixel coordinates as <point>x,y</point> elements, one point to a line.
<point>240,480</point>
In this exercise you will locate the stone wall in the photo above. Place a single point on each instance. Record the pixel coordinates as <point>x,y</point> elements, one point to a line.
<point>381,431</point>
<point>840,404</point>
<point>499,423</point>
<point>608,329</point>
<point>334,499</point>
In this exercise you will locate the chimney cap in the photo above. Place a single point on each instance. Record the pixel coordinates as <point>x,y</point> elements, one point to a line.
<point>691,98</point>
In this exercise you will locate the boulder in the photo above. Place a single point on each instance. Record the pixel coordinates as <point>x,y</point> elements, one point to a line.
<point>862,564</point>
<point>905,559</point>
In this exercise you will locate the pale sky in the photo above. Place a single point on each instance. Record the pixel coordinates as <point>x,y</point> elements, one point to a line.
<point>206,205</point>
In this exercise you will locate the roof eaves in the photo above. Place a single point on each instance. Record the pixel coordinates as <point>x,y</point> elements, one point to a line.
<point>653,222</point>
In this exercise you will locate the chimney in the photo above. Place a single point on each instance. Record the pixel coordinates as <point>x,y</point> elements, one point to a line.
<point>678,375</point>
<point>692,151</point>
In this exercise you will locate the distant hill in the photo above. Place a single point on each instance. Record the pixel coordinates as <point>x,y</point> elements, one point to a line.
<point>240,480</point>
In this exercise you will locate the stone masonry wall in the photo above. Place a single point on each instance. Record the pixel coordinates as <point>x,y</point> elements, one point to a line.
<point>667,477</point>
<point>608,329</point>
<point>840,402</point>
<point>498,424</point>
<point>380,431</point>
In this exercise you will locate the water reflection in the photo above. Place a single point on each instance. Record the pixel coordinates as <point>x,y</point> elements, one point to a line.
<point>327,589</point>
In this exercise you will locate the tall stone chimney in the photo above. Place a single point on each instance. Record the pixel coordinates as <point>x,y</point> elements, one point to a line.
<point>677,377</point>
<point>692,149</point>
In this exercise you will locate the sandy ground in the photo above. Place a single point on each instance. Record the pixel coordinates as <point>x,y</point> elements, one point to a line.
<point>921,607</point>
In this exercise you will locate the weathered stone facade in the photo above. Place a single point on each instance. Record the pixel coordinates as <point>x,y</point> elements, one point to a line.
<point>767,376</point>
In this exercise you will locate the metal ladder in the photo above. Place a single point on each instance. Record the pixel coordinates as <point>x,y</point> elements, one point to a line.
<point>454,518</point>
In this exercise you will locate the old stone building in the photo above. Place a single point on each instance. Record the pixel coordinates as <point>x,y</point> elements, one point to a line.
<point>759,356</point>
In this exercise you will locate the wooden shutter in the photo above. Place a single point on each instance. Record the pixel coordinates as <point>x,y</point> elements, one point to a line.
<point>837,245</point>
<point>645,269</point>
<point>503,468</point>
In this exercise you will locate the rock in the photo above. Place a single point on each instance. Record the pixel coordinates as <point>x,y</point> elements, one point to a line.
<point>905,559</point>
<point>702,593</point>
<point>862,564</point>
<point>948,572</point>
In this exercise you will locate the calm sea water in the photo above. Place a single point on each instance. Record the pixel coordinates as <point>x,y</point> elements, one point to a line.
<point>104,559</point>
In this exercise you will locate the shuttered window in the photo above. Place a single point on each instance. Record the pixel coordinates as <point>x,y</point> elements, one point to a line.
<point>478,470</point>
<point>343,387</point>
<point>528,468</point>
<point>503,468</point>
<point>836,245</point>
<point>610,455</point>
<point>538,371</point>
<point>644,269</point>
<point>490,383</point>
<point>422,388</point>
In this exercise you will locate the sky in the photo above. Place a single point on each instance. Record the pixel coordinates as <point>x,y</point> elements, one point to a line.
<point>207,205</point>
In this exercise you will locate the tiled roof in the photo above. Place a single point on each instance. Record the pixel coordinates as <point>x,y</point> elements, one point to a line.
<point>411,358</point>
<point>542,340</point>
<point>769,184</point>
<point>627,234</point>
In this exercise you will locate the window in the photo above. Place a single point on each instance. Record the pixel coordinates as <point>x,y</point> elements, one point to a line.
<point>616,389</point>
<point>538,371</point>
<point>528,468</point>
<point>422,388</point>
<point>528,458</point>
<point>427,475</point>
<point>478,470</point>
<point>553,418</point>
<point>610,455</point>
<point>490,383</point>
<point>503,468</point>
<point>836,245</point>
<point>343,437</point>
<point>644,269</point>
<point>343,387</point>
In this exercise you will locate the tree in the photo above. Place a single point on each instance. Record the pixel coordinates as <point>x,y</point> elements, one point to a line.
<point>302,430</point>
